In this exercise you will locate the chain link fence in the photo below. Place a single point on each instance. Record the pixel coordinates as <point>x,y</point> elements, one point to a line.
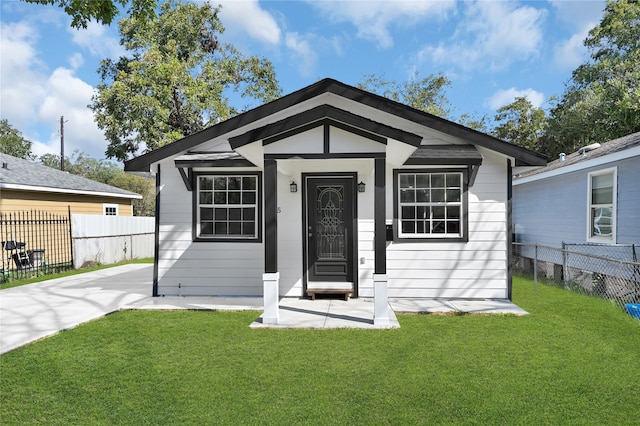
<point>607,271</point>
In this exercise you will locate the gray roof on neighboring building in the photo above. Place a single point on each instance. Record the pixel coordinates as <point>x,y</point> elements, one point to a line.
<point>605,148</point>
<point>16,173</point>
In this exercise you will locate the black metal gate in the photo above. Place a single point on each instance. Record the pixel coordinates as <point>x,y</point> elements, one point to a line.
<point>35,243</point>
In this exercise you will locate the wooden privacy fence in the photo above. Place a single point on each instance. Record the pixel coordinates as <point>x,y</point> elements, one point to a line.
<point>35,242</point>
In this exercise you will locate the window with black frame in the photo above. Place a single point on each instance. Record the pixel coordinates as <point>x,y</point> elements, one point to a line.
<point>431,205</point>
<point>227,207</point>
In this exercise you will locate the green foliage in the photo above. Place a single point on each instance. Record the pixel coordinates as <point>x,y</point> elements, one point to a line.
<point>140,185</point>
<point>103,11</point>
<point>13,143</point>
<point>521,124</point>
<point>426,94</point>
<point>572,361</point>
<point>175,79</point>
<point>82,165</point>
<point>602,100</point>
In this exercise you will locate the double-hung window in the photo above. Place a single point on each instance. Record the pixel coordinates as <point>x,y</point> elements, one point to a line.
<point>431,205</point>
<point>227,207</point>
<point>602,206</point>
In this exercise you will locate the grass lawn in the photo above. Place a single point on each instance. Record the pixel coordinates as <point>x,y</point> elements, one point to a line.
<point>574,360</point>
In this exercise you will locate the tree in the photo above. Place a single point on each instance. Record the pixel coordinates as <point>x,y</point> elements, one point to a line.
<point>602,100</point>
<point>103,11</point>
<point>140,185</point>
<point>175,80</point>
<point>12,142</point>
<point>521,123</point>
<point>426,94</point>
<point>82,165</point>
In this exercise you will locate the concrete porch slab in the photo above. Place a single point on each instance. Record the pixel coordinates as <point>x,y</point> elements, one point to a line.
<point>447,306</point>
<point>327,314</point>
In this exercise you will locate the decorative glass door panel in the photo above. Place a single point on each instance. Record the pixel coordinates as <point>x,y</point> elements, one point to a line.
<point>330,229</point>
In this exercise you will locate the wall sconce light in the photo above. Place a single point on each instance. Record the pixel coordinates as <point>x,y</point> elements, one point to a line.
<point>361,187</point>
<point>293,187</point>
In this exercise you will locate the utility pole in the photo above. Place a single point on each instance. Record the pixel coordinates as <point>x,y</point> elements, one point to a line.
<point>62,143</point>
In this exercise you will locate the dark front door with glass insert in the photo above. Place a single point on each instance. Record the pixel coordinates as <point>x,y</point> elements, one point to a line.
<point>329,229</point>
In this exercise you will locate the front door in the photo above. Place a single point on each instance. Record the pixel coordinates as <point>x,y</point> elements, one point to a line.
<point>330,214</point>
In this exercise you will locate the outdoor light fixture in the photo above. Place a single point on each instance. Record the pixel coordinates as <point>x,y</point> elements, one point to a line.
<point>361,187</point>
<point>293,187</point>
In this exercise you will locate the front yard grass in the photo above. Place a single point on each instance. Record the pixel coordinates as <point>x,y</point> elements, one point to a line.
<point>574,360</point>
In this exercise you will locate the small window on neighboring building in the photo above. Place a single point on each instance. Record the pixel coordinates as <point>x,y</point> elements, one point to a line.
<point>431,205</point>
<point>227,207</point>
<point>110,209</point>
<point>602,206</point>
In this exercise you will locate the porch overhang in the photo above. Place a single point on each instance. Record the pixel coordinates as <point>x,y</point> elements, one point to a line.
<point>187,162</point>
<point>448,155</point>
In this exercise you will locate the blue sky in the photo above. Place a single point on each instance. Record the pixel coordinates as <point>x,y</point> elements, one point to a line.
<point>492,51</point>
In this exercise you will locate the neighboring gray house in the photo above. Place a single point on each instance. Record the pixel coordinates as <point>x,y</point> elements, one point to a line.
<point>334,188</point>
<point>590,196</point>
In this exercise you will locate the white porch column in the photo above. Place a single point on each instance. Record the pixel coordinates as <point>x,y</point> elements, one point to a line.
<point>271,298</point>
<point>380,299</point>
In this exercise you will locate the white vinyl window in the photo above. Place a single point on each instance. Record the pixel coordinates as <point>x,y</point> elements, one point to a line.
<point>227,207</point>
<point>110,209</point>
<point>431,205</point>
<point>601,226</point>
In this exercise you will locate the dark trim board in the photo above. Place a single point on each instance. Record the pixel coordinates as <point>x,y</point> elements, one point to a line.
<point>337,155</point>
<point>379,208</point>
<point>156,248</point>
<point>509,230</point>
<point>270,216</point>
<point>321,116</point>
<point>523,156</point>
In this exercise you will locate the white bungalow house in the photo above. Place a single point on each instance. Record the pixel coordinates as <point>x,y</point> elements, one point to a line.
<point>332,188</point>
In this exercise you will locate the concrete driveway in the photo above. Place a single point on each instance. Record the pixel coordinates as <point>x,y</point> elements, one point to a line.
<point>31,312</point>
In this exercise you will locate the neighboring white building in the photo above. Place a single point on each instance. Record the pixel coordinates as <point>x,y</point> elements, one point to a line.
<point>334,187</point>
<point>589,196</point>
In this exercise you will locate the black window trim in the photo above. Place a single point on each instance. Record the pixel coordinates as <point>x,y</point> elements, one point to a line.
<point>195,208</point>
<point>465,206</point>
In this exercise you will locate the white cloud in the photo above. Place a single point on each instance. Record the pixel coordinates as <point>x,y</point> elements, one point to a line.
<point>304,55</point>
<point>249,17</point>
<point>97,41</point>
<point>374,18</point>
<point>505,97</point>
<point>22,73</point>
<point>578,14</point>
<point>490,35</point>
<point>33,99</point>
<point>568,54</point>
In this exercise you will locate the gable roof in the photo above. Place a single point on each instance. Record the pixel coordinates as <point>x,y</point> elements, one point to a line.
<point>19,174</point>
<point>584,156</point>
<point>523,156</point>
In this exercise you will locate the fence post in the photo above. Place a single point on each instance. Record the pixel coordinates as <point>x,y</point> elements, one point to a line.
<point>70,234</point>
<point>535,268</point>
<point>565,264</point>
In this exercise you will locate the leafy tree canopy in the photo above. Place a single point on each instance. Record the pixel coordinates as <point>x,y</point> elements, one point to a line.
<point>13,143</point>
<point>602,100</point>
<point>103,11</point>
<point>175,79</point>
<point>82,165</point>
<point>426,94</point>
<point>521,124</point>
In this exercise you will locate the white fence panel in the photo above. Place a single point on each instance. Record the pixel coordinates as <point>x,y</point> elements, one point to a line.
<point>111,239</point>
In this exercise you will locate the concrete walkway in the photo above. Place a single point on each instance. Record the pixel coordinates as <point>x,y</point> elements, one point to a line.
<point>31,312</point>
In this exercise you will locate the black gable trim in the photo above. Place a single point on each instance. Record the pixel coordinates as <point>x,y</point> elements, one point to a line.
<point>522,155</point>
<point>321,115</point>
